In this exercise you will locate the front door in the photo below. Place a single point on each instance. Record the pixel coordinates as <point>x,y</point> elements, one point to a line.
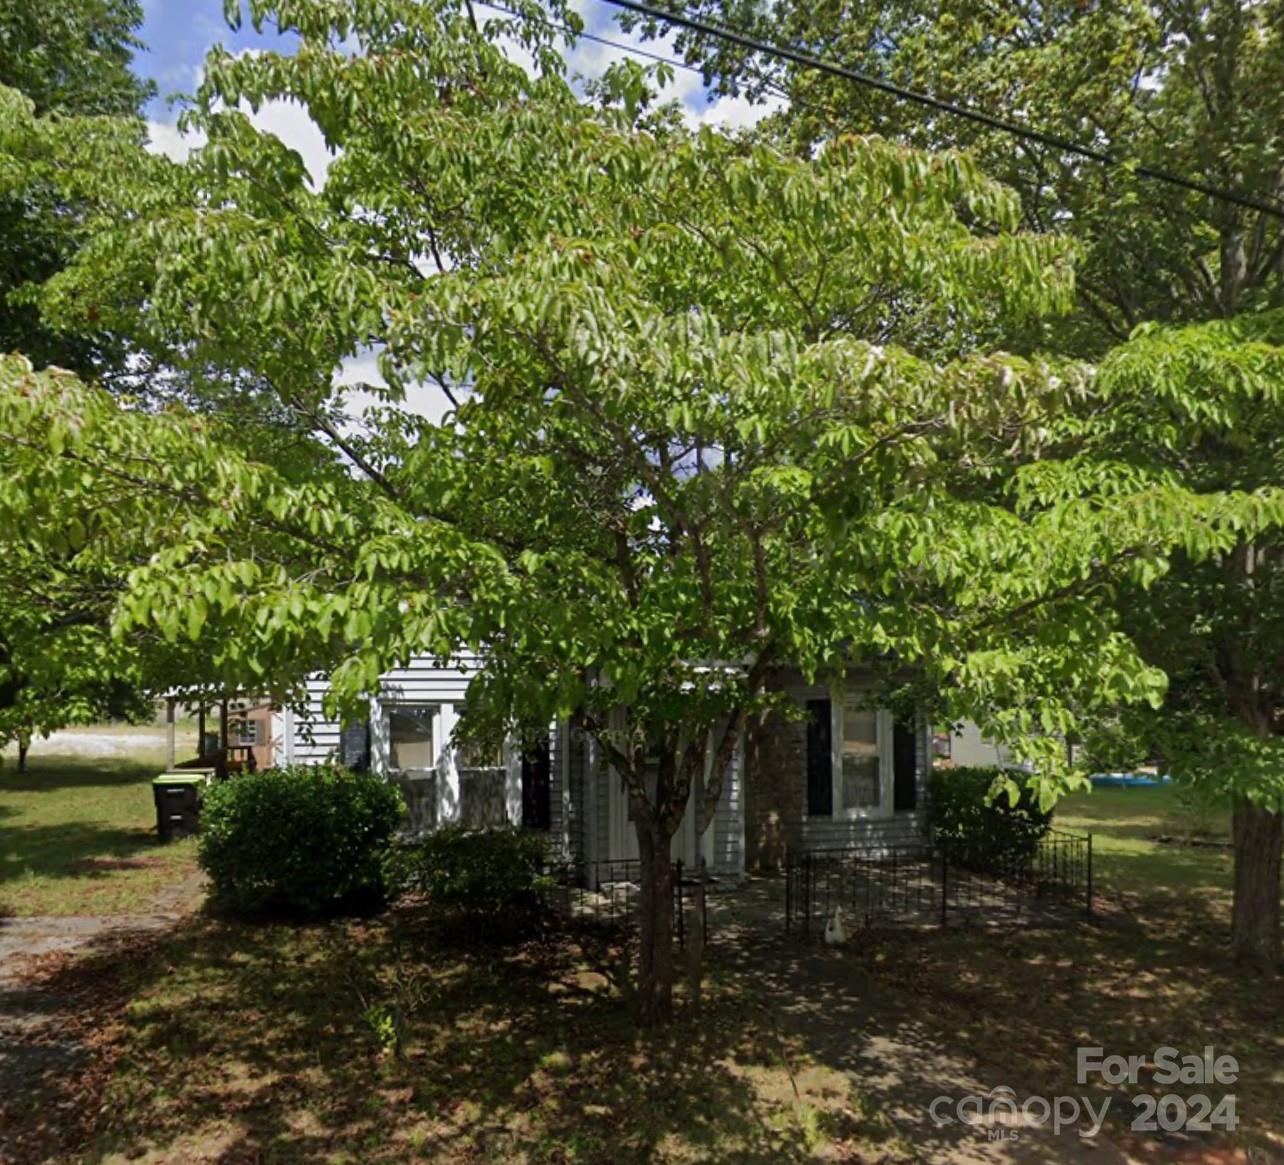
<point>537,787</point>
<point>623,834</point>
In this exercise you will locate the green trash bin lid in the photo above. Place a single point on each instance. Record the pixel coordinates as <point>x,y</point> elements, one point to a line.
<point>180,778</point>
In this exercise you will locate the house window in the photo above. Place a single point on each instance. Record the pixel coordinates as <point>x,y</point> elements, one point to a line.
<point>859,761</point>
<point>410,738</point>
<point>473,754</point>
<point>246,732</point>
<point>860,758</point>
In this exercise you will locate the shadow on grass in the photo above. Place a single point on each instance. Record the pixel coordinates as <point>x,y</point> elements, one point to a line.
<point>258,1042</point>
<point>76,849</point>
<point>247,1042</point>
<point>55,774</point>
<point>917,1015</point>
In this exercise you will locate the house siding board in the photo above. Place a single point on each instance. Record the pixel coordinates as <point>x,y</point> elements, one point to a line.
<point>602,776</point>
<point>728,858</point>
<point>317,739</point>
<point>567,805</point>
<point>570,808</point>
<point>429,681</point>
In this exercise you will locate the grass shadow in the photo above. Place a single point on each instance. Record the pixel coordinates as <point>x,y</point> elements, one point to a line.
<point>73,850</point>
<point>58,774</point>
<point>257,1042</point>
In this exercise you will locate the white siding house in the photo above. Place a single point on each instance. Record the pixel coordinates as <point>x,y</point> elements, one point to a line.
<point>568,791</point>
<point>968,748</point>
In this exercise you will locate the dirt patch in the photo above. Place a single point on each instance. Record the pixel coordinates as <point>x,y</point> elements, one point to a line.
<point>1192,842</point>
<point>105,865</point>
<point>58,1020</point>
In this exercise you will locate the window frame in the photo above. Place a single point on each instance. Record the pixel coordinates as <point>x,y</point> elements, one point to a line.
<point>434,712</point>
<point>884,729</point>
<point>237,738</point>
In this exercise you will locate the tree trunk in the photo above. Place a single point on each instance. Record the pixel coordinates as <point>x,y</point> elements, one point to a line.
<point>24,744</point>
<point>655,962</point>
<point>1255,922</point>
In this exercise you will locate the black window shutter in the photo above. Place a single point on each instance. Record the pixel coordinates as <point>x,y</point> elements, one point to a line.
<point>537,787</point>
<point>354,744</point>
<point>904,766</point>
<point>820,760</point>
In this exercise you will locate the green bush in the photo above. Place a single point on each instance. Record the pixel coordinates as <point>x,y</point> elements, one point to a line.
<point>984,834</point>
<point>304,840</point>
<point>491,881</point>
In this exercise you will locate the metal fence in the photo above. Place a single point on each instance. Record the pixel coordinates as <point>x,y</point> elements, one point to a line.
<point>609,893</point>
<point>939,882</point>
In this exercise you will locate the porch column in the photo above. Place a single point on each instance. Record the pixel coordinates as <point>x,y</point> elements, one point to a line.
<point>169,732</point>
<point>563,755</point>
<point>447,771</point>
<point>513,782</point>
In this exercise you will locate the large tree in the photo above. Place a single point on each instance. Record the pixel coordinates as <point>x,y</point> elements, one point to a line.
<point>69,59</point>
<point>717,408</point>
<point>65,80</point>
<point>1196,90</point>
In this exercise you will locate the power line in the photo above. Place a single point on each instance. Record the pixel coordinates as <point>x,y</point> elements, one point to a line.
<point>820,64</point>
<point>633,50</point>
<point>646,54</point>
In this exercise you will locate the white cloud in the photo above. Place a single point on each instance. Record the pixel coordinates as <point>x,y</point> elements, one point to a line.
<point>735,112</point>
<point>286,120</point>
<point>166,138</point>
<point>289,121</point>
<point>424,400</point>
<point>590,58</point>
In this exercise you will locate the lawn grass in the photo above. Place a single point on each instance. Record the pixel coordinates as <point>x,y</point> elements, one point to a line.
<point>78,836</point>
<point>1019,1003</point>
<point>230,1041</point>
<point>262,1043</point>
<point>1152,969</point>
<point>1128,859</point>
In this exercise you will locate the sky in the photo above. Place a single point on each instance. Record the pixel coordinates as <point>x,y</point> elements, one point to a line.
<point>178,34</point>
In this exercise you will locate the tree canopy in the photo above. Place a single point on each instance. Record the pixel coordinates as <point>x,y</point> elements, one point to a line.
<point>711,408</point>
<point>1192,89</point>
<point>65,80</point>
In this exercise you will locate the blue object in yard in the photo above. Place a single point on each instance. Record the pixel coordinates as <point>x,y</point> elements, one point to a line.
<point>1130,780</point>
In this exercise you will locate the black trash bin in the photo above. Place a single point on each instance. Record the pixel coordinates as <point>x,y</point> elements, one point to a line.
<point>178,804</point>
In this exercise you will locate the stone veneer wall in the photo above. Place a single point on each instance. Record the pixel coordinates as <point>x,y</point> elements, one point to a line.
<point>775,789</point>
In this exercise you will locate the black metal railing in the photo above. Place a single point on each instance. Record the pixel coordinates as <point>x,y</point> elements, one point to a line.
<point>939,881</point>
<point>609,893</point>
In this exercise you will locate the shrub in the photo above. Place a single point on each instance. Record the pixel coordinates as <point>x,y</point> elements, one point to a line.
<point>491,881</point>
<point>984,834</point>
<point>304,840</point>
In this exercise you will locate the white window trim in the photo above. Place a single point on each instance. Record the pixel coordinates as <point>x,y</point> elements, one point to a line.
<point>886,775</point>
<point>388,706</point>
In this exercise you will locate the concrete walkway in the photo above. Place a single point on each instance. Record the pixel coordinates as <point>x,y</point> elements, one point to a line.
<point>823,998</point>
<point>41,1035</point>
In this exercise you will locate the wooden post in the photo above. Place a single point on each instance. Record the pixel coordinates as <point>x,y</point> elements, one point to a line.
<point>1089,911</point>
<point>222,727</point>
<point>169,732</point>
